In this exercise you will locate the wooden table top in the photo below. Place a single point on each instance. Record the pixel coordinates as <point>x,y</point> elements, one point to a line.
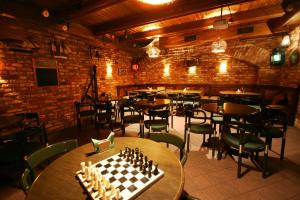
<point>9,124</point>
<point>239,93</point>
<point>58,180</point>
<point>144,103</point>
<point>230,109</point>
<point>184,92</point>
<point>148,90</point>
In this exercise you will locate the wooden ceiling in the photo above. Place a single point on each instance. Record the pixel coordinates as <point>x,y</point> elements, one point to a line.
<point>181,23</point>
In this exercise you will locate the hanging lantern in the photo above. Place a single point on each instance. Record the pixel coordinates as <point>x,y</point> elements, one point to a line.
<point>219,46</point>
<point>153,52</point>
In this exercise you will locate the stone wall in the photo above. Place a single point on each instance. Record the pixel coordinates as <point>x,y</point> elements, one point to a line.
<point>19,91</point>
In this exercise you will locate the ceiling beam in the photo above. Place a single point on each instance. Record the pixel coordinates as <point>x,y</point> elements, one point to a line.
<point>211,35</point>
<point>91,6</point>
<point>259,14</point>
<point>290,18</point>
<point>176,9</point>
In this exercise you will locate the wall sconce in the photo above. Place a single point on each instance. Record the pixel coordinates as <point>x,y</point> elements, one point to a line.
<point>223,67</point>
<point>45,13</point>
<point>166,70</point>
<point>286,40</point>
<point>108,69</point>
<point>192,70</point>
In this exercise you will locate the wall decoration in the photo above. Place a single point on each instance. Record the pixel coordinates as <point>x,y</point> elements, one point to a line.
<point>122,71</point>
<point>45,72</point>
<point>294,57</point>
<point>59,49</point>
<point>277,57</point>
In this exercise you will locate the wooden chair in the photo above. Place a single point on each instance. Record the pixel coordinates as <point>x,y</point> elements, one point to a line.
<point>103,116</point>
<point>40,156</point>
<point>157,125</point>
<point>83,110</point>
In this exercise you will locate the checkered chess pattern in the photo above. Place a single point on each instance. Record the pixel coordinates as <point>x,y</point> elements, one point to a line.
<point>121,174</point>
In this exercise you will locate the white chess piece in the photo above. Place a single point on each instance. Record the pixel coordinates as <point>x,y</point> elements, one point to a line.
<point>82,167</point>
<point>117,194</point>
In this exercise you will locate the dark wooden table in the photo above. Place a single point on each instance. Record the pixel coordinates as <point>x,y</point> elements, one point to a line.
<point>238,93</point>
<point>146,104</point>
<point>58,180</point>
<point>10,125</point>
<point>230,109</point>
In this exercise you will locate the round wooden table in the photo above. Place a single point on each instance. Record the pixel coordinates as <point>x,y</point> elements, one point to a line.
<point>58,180</point>
<point>230,109</point>
<point>147,104</point>
<point>239,93</point>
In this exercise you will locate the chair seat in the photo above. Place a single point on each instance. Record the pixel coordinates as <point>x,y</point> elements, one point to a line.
<point>201,128</point>
<point>86,113</point>
<point>249,142</point>
<point>156,124</point>
<point>252,128</point>
<point>132,119</point>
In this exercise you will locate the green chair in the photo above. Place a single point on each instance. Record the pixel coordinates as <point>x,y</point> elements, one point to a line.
<point>130,114</point>
<point>158,120</point>
<point>195,122</point>
<point>247,145</point>
<point>42,155</point>
<point>171,139</point>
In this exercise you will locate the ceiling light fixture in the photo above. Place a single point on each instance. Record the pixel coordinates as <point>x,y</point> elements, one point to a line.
<point>156,2</point>
<point>286,40</point>
<point>153,51</point>
<point>219,46</point>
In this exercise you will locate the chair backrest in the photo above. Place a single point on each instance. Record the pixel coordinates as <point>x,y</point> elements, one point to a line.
<point>83,109</point>
<point>48,152</point>
<point>103,112</point>
<point>161,113</point>
<point>38,157</point>
<point>171,139</point>
<point>194,113</point>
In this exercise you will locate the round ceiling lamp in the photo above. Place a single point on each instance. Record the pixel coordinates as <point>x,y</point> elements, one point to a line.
<point>219,46</point>
<point>156,2</point>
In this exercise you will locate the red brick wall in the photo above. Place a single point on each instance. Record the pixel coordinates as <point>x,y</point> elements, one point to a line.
<point>18,89</point>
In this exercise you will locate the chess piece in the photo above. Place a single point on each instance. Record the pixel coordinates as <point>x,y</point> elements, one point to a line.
<point>135,163</point>
<point>150,164</point>
<point>155,172</point>
<point>82,167</point>
<point>141,166</point>
<point>144,170</point>
<point>149,173</point>
<point>117,194</point>
<point>146,159</point>
<point>121,153</point>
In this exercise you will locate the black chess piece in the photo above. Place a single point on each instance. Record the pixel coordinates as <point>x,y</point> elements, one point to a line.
<point>155,172</point>
<point>141,166</point>
<point>149,173</point>
<point>135,163</point>
<point>121,153</point>
<point>146,159</point>
<point>144,170</point>
<point>150,164</point>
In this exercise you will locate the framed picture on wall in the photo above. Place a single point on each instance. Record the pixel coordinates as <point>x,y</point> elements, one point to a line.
<point>122,71</point>
<point>45,72</point>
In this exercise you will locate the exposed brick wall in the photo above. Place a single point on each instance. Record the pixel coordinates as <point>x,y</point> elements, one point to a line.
<point>18,89</point>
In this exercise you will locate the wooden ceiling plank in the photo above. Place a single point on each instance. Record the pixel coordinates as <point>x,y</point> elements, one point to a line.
<point>239,18</point>
<point>289,18</point>
<point>211,35</point>
<point>94,6</point>
<point>176,9</point>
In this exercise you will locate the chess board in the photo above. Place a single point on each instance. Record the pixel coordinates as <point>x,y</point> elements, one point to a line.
<point>122,175</point>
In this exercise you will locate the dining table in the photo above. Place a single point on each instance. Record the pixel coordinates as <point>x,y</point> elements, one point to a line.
<point>239,93</point>
<point>58,180</point>
<point>10,125</point>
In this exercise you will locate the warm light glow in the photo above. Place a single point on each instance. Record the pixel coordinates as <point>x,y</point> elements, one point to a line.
<point>192,70</point>
<point>45,13</point>
<point>108,69</point>
<point>223,67</point>
<point>156,2</point>
<point>151,27</point>
<point>65,27</point>
<point>219,46</point>
<point>166,70</point>
<point>286,40</point>
<point>153,51</point>
<point>217,13</point>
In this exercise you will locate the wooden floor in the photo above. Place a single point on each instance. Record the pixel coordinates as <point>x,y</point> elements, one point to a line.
<point>207,178</point>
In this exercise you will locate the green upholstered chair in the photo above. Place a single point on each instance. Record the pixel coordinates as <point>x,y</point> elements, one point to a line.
<point>247,145</point>
<point>196,122</point>
<point>158,120</point>
<point>83,110</point>
<point>171,139</point>
<point>104,115</point>
<point>130,114</point>
<point>42,155</point>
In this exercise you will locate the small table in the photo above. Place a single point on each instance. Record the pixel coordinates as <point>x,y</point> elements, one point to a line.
<point>58,180</point>
<point>200,92</point>
<point>239,93</point>
<point>8,124</point>
<point>147,104</point>
<point>148,90</point>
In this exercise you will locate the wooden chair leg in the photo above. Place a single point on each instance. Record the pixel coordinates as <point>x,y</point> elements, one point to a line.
<point>265,164</point>
<point>282,148</point>
<point>188,141</point>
